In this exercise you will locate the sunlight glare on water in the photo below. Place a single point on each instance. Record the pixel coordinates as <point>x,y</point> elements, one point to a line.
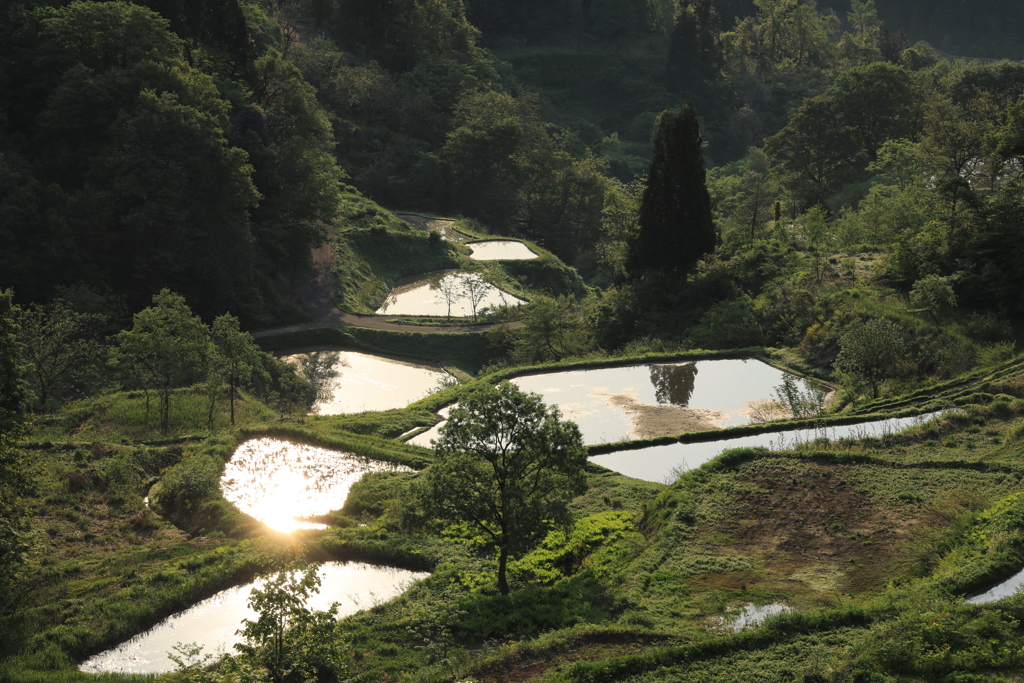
<point>279,482</point>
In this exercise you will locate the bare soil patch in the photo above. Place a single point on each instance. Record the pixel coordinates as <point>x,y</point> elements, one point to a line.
<point>817,529</point>
<point>665,419</point>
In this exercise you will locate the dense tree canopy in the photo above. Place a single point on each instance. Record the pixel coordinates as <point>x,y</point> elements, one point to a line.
<point>59,343</point>
<point>815,154</point>
<point>878,102</point>
<point>508,465</point>
<point>134,164</point>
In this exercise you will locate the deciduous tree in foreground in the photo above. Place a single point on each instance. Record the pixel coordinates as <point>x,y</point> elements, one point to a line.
<point>166,347</point>
<point>508,465</point>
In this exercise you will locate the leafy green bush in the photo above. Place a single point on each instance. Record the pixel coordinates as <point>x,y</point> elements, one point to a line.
<point>996,353</point>
<point>189,492</point>
<point>728,325</point>
<point>942,642</point>
<point>562,554</point>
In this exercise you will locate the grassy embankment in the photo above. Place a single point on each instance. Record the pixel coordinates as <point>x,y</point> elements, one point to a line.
<point>860,537</point>
<point>369,262</point>
<point>108,566</point>
<point>633,589</point>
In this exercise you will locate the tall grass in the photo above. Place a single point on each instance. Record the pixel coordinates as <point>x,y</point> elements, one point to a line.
<point>369,262</point>
<point>375,448</point>
<point>125,416</point>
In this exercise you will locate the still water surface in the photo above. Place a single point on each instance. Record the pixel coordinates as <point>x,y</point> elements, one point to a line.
<point>643,401</point>
<point>423,296</point>
<point>1003,590</point>
<point>426,437</point>
<point>750,615</point>
<point>500,250</point>
<point>279,482</point>
<point>213,622</point>
<point>367,382</point>
<point>658,399</point>
<point>660,463</point>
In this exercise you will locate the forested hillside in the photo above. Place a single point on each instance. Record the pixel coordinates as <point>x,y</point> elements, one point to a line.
<point>206,151</point>
<point>832,188</point>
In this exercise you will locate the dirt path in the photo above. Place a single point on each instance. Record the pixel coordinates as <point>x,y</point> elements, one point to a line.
<point>341,319</point>
<point>441,225</point>
<point>315,296</point>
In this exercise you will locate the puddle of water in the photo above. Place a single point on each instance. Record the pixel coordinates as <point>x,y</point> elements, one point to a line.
<point>425,296</point>
<point>662,463</point>
<point>500,250</point>
<point>426,437</point>
<point>213,622</point>
<point>643,401</point>
<point>279,482</point>
<point>367,382</point>
<point>749,616</point>
<point>1003,590</point>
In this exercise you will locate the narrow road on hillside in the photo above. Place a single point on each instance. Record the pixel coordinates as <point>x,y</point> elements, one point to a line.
<point>372,322</point>
<point>314,295</point>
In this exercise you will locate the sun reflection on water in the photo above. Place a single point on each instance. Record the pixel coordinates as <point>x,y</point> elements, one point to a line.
<point>280,483</point>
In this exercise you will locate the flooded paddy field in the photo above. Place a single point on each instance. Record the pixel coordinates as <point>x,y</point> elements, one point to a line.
<point>500,250</point>
<point>213,622</point>
<point>282,483</point>
<point>426,295</point>
<point>369,382</point>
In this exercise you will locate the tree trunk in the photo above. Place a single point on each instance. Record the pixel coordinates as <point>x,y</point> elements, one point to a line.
<point>44,394</point>
<point>165,410</point>
<point>502,568</point>
<point>213,406</point>
<point>757,204</point>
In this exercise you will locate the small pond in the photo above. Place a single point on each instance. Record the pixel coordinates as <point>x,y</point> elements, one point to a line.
<point>367,382</point>
<point>280,483</point>
<point>425,296</point>
<point>643,401</point>
<point>212,623</point>
<point>426,437</point>
<point>660,463</point>
<point>500,250</point>
<point>749,616</point>
<point>1003,590</point>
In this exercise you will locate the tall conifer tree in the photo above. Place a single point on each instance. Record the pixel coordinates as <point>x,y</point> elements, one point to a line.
<point>676,225</point>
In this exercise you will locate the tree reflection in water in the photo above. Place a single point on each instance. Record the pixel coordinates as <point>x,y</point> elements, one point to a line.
<point>674,383</point>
